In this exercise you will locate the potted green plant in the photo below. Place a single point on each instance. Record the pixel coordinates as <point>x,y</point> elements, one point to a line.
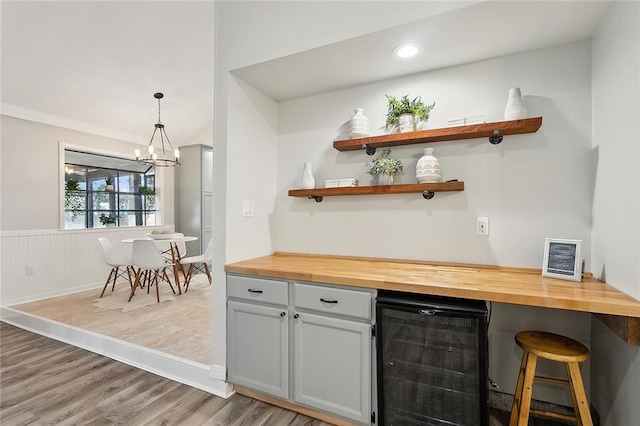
<point>73,197</point>
<point>108,220</point>
<point>405,113</point>
<point>149,194</point>
<point>109,183</point>
<point>385,168</point>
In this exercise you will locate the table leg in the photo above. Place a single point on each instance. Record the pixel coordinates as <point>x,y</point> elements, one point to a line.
<point>175,258</point>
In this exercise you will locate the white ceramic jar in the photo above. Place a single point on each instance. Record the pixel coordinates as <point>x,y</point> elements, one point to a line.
<point>359,125</point>
<point>428,168</point>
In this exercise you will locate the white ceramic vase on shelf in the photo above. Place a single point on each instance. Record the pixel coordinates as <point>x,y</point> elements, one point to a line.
<point>406,123</point>
<point>359,125</point>
<point>515,109</point>
<point>385,179</point>
<point>428,168</point>
<point>307,181</point>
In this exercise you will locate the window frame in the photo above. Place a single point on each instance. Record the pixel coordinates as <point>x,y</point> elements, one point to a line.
<point>63,147</point>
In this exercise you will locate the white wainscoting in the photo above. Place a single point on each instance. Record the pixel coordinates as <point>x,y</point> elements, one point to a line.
<point>61,262</point>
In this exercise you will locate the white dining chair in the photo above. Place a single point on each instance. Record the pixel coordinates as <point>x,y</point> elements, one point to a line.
<point>149,260</point>
<point>116,260</point>
<point>198,263</point>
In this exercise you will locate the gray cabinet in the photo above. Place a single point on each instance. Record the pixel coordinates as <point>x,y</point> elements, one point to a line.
<point>258,334</point>
<point>332,365</point>
<point>258,347</point>
<point>309,344</point>
<point>193,196</point>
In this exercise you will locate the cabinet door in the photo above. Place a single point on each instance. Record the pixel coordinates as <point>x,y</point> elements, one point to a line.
<point>332,365</point>
<point>258,347</point>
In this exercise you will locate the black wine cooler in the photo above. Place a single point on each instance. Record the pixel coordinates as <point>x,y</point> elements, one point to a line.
<point>431,360</point>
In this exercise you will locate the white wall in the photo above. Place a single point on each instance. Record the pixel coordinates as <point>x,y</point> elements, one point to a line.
<point>542,180</point>
<point>616,209</point>
<point>30,173</point>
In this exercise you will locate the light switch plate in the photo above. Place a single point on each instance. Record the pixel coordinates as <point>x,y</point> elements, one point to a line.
<point>247,208</point>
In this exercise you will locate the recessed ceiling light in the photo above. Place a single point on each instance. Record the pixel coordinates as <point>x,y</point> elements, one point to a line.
<point>407,51</point>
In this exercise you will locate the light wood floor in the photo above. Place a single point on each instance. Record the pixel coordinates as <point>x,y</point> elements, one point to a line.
<point>180,327</point>
<point>43,382</point>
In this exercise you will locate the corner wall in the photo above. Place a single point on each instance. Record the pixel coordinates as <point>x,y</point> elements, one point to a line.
<point>616,211</point>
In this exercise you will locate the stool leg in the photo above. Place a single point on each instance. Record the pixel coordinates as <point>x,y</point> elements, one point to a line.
<point>580,405</point>
<point>517,397</point>
<point>527,390</point>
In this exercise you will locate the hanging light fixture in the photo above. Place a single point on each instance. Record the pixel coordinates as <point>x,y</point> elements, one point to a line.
<point>167,157</point>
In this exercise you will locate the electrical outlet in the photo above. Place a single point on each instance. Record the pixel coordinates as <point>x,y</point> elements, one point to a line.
<point>247,208</point>
<point>482,226</point>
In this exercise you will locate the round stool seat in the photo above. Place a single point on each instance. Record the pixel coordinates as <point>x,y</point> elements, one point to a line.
<point>552,346</point>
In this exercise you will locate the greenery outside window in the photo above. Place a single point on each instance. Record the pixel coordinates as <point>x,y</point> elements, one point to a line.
<point>102,191</point>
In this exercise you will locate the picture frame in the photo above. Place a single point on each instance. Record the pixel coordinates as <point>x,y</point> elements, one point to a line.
<point>562,259</point>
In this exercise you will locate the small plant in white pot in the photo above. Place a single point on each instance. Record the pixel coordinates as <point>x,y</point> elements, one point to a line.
<point>384,168</point>
<point>109,183</point>
<point>405,113</point>
<point>108,220</point>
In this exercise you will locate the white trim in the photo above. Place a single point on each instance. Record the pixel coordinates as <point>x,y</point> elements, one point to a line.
<point>55,120</point>
<point>181,370</point>
<point>30,232</point>
<point>48,295</point>
<point>218,372</point>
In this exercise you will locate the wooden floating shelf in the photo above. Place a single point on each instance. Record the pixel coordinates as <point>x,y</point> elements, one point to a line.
<point>427,190</point>
<point>472,131</point>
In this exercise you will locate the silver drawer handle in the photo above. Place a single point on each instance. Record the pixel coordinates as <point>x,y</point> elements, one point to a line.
<point>328,301</point>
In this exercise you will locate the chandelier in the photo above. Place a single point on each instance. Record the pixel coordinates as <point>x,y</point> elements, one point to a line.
<point>165,156</point>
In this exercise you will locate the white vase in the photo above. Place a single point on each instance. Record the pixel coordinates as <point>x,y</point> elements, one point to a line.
<point>428,168</point>
<point>307,181</point>
<point>359,125</point>
<point>406,123</point>
<point>515,109</point>
<point>385,179</point>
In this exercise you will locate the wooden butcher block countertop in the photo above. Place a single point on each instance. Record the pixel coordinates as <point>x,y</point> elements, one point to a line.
<point>507,285</point>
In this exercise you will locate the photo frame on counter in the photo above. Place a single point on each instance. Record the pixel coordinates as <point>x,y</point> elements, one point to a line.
<point>562,259</point>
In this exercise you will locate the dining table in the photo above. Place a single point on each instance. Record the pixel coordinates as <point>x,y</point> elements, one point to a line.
<point>173,241</point>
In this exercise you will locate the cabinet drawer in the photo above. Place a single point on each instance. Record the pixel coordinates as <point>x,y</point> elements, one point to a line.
<point>338,301</point>
<point>257,290</point>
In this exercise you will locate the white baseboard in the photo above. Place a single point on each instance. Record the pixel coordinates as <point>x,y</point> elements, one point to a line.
<point>20,300</point>
<point>181,370</point>
<point>218,372</point>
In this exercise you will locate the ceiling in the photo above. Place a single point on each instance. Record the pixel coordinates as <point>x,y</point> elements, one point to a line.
<point>95,66</point>
<point>476,32</point>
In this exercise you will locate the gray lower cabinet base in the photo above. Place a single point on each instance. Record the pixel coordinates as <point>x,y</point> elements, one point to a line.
<point>307,344</point>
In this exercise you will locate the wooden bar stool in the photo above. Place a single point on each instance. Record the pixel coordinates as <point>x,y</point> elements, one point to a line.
<point>556,348</point>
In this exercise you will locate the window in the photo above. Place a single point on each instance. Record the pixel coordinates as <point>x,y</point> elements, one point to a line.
<point>103,191</point>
